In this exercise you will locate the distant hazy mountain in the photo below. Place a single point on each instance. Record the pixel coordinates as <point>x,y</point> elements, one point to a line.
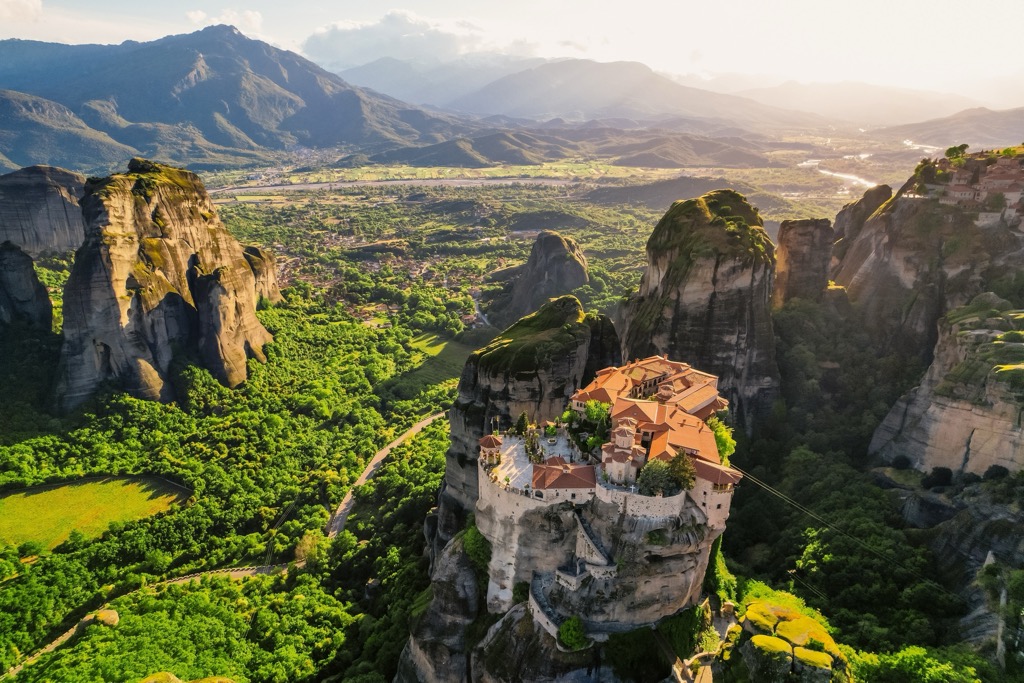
<point>978,127</point>
<point>437,84</point>
<point>860,103</point>
<point>582,89</point>
<point>210,97</point>
<point>35,130</point>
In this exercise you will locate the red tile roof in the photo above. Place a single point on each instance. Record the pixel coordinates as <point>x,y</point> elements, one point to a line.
<point>555,473</point>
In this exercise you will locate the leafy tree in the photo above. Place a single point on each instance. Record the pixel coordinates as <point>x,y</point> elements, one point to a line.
<point>571,633</point>
<point>723,439</point>
<point>957,151</point>
<point>656,478</point>
<point>682,471</point>
<point>597,413</point>
<point>909,664</point>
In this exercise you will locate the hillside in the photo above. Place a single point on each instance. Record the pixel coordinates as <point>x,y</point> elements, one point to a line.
<point>860,103</point>
<point>193,97</point>
<point>978,127</point>
<point>582,89</point>
<point>36,130</point>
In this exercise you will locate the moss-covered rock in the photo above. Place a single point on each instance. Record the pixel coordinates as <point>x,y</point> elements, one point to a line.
<point>705,298</point>
<point>768,659</point>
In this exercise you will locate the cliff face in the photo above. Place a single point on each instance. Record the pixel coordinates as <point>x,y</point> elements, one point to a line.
<point>22,296</point>
<point>556,267</point>
<point>39,209</point>
<point>965,414</point>
<point>157,275</point>
<point>916,259</point>
<point>802,260</point>
<point>851,219</point>
<point>438,649</point>
<point>534,366</point>
<point>705,299</point>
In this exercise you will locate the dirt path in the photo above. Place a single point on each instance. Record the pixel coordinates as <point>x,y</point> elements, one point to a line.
<point>337,523</point>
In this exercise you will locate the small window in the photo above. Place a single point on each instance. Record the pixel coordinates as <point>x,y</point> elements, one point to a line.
<point>718,507</point>
<point>574,498</point>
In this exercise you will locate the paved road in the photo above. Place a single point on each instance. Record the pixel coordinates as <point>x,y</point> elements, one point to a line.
<point>415,182</point>
<point>334,527</point>
<point>337,523</point>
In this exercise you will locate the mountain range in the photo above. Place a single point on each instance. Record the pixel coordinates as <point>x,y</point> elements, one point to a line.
<point>212,97</point>
<point>215,98</point>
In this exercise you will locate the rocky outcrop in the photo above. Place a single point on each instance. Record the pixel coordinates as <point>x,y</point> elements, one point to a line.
<point>851,219</point>
<point>802,260</point>
<point>914,260</point>
<point>23,297</point>
<point>965,414</point>
<point>158,275</point>
<point>39,210</point>
<point>438,649</point>
<point>556,266</point>
<point>517,649</point>
<point>534,367</point>
<point>264,270</point>
<point>705,299</point>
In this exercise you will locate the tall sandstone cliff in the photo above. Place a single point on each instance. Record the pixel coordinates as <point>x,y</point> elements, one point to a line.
<point>705,299</point>
<point>158,275</point>
<point>556,267</point>
<point>916,259</point>
<point>965,414</point>
<point>23,298</point>
<point>534,367</point>
<point>802,260</point>
<point>39,210</point>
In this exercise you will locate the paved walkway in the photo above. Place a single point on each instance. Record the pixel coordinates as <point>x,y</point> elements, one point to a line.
<point>334,527</point>
<point>340,516</point>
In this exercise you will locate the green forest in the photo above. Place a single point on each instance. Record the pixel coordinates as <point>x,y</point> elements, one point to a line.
<point>379,287</point>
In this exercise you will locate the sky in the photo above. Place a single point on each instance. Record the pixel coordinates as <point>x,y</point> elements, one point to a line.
<point>945,45</point>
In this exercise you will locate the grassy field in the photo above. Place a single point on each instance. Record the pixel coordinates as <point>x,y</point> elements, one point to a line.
<point>48,514</point>
<point>442,360</point>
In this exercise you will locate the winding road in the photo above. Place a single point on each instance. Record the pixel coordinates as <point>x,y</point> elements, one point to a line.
<point>334,526</point>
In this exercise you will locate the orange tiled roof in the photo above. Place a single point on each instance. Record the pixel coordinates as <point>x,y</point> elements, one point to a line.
<point>715,472</point>
<point>555,473</point>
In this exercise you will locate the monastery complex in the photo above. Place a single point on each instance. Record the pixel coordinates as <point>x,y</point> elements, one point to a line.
<point>658,411</point>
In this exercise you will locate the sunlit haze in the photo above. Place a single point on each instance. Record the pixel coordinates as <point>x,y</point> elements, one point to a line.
<point>942,45</point>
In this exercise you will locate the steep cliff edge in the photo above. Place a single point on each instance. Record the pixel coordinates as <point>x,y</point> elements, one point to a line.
<point>157,275</point>
<point>802,260</point>
<point>534,366</point>
<point>705,298</point>
<point>39,209</point>
<point>965,414</point>
<point>915,259</point>
<point>556,266</point>
<point>23,297</point>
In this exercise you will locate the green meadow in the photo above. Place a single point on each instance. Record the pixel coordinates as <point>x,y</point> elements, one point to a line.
<point>48,514</point>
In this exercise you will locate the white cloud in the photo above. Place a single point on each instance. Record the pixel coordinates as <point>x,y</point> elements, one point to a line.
<point>20,10</point>
<point>247,21</point>
<point>399,33</point>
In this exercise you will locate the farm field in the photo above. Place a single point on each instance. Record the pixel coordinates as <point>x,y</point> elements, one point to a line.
<point>48,514</point>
